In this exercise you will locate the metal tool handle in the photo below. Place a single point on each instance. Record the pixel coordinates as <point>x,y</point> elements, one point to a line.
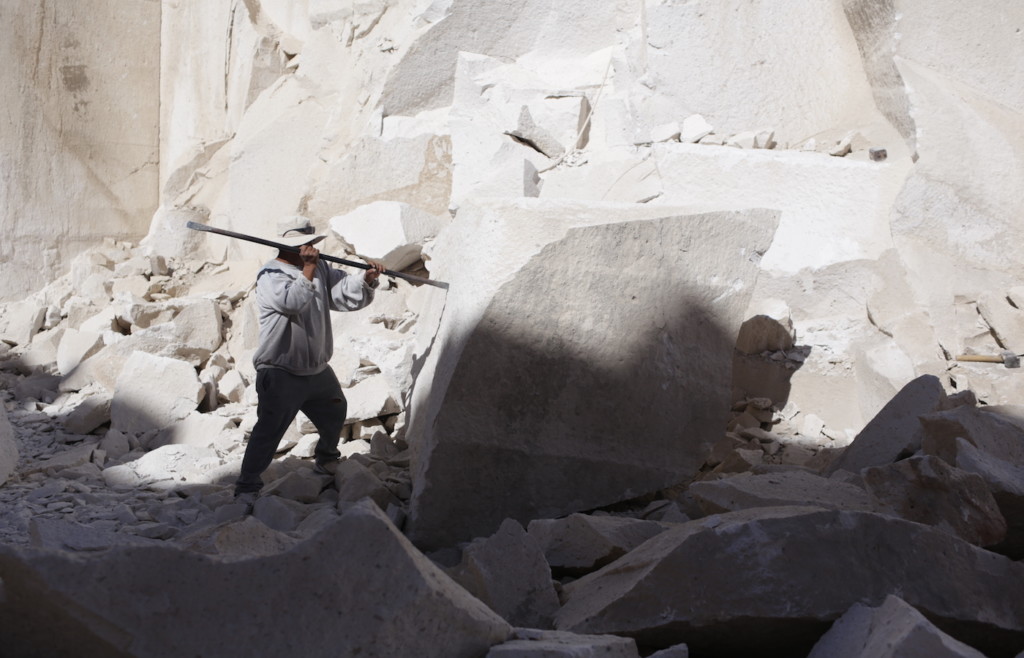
<point>983,358</point>
<point>333,259</point>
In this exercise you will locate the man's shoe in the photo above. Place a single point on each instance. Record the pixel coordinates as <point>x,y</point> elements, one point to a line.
<point>325,468</point>
<point>248,499</point>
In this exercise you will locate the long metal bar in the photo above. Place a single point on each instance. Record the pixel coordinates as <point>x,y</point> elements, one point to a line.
<point>333,259</point>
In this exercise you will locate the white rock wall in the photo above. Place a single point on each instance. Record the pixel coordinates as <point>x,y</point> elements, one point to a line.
<point>79,147</point>
<point>272,107</point>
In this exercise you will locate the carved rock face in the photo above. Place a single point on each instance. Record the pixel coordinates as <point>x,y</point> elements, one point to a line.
<point>638,316</point>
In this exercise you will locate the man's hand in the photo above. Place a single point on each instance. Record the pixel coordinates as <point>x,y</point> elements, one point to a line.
<point>310,256</point>
<point>376,269</point>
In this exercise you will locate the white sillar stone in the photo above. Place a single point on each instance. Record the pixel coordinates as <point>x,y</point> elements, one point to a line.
<point>499,303</point>
<point>305,446</point>
<point>366,430</point>
<point>390,231</point>
<point>90,414</point>
<point>104,320</point>
<point>20,321</point>
<point>195,429</point>
<point>75,346</point>
<point>765,139</point>
<point>665,132</point>
<point>743,140</point>
<point>163,466</point>
<point>694,129</point>
<point>43,351</point>
<point>369,398</point>
<point>137,286</point>
<point>152,392</point>
<point>231,386</point>
<point>115,444</point>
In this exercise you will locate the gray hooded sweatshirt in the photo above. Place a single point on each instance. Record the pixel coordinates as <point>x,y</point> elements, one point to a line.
<point>295,314</point>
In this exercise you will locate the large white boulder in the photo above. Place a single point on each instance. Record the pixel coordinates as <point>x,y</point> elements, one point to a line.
<point>389,231</point>
<point>153,392</point>
<point>528,384</point>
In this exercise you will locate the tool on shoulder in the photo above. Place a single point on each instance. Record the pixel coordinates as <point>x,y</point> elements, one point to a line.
<point>1006,357</point>
<point>333,259</point>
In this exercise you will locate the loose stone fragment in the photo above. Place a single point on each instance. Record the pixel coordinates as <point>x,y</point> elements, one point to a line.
<point>694,129</point>
<point>153,392</point>
<point>581,543</point>
<point>895,431</point>
<point>530,643</point>
<point>778,489</point>
<point>1006,482</point>
<point>355,482</point>
<point>508,572</point>
<point>928,490</point>
<point>892,630</point>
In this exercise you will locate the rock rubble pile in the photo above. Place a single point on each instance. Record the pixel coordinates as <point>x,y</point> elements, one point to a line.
<point>694,388</point>
<point>125,475</point>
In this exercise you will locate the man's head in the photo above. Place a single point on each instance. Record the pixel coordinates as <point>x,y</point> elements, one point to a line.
<point>297,230</point>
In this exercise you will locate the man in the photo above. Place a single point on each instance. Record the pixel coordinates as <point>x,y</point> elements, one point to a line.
<point>295,294</point>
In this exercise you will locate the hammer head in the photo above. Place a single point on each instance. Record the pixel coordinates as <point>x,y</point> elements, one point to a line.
<point>1010,360</point>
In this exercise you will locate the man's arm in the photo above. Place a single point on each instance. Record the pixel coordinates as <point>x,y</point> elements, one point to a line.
<point>351,292</point>
<point>283,292</point>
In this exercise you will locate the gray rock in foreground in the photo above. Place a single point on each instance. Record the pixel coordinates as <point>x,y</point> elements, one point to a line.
<point>892,630</point>
<point>581,543</point>
<point>778,489</point>
<point>769,581</point>
<point>928,490</point>
<point>895,431</point>
<point>508,572</point>
<point>357,588</point>
<point>530,643</point>
<point>1006,481</point>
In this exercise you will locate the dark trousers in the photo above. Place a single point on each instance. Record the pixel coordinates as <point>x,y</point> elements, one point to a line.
<point>281,396</point>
